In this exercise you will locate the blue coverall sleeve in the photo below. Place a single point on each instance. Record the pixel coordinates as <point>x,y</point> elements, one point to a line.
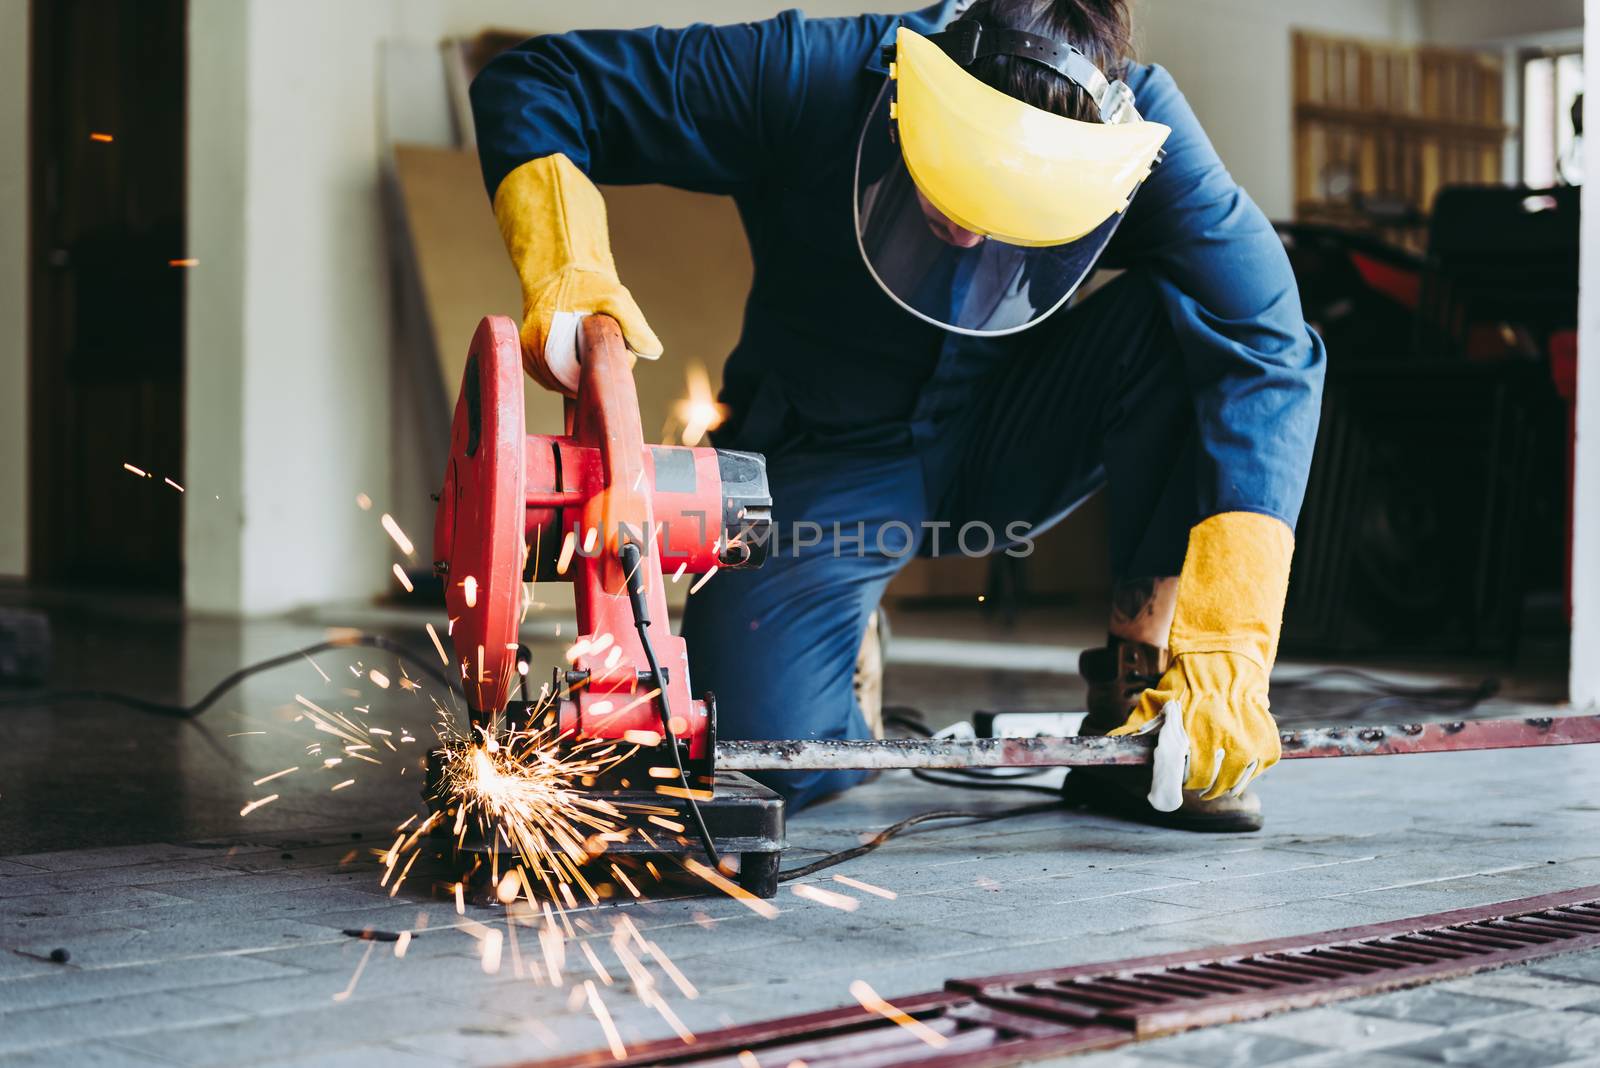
<point>1254,367</point>
<point>707,108</point>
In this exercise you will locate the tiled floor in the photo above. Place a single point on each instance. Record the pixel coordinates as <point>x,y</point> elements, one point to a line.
<point>227,945</point>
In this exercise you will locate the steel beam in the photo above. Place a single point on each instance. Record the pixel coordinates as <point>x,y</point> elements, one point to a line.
<point>1310,743</point>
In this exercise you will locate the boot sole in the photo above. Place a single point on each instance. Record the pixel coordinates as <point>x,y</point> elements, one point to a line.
<point>1091,792</point>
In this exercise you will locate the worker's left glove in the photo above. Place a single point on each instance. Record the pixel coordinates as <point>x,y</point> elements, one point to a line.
<point>554,224</point>
<point>1210,707</point>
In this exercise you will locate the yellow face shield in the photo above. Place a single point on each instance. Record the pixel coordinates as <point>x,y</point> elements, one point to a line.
<point>978,211</point>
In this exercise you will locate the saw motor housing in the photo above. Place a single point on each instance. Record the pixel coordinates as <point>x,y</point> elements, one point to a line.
<point>519,508</point>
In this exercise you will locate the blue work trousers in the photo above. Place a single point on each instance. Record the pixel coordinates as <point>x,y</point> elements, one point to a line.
<point>1010,435</point>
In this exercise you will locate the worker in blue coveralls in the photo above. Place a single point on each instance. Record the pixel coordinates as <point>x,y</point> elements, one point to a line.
<point>923,194</point>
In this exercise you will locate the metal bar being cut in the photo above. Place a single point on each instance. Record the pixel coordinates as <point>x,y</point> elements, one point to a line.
<point>1312,742</point>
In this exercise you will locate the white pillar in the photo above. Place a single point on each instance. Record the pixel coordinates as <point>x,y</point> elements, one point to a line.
<point>14,211</point>
<point>1585,678</point>
<point>287,320</point>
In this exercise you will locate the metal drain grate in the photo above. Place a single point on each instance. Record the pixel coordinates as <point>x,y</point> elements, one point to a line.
<point>1007,1018</point>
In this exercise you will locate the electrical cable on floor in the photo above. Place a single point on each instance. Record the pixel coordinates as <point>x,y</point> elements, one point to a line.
<point>177,711</point>
<point>911,821</point>
<point>629,555</point>
<point>987,782</point>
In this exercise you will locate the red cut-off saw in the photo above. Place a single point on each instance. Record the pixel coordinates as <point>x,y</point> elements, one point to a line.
<point>520,507</point>
<point>599,508</point>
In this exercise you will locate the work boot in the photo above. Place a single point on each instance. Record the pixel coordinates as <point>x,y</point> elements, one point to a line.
<point>1116,676</point>
<point>869,673</point>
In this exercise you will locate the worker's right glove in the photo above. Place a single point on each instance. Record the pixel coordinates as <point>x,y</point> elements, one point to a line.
<point>1210,707</point>
<point>554,224</point>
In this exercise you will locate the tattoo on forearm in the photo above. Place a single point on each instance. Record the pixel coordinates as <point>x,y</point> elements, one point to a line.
<point>1132,598</point>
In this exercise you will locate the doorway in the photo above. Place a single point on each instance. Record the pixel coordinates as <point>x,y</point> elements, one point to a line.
<point>108,264</point>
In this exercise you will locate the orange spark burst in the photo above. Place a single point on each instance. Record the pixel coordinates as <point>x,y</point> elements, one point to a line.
<point>187,262</point>
<point>103,138</point>
<point>870,1001</point>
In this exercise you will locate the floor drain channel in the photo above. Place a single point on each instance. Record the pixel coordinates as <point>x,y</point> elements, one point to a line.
<point>1002,1019</point>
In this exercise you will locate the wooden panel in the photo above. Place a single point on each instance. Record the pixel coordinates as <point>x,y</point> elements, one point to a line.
<point>1380,127</point>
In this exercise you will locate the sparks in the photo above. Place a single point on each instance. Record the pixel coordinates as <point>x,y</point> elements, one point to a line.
<point>873,1003</point>
<point>141,472</point>
<point>361,967</point>
<point>186,262</point>
<point>598,1007</point>
<point>865,888</point>
<point>363,502</point>
<point>523,789</point>
<point>103,138</point>
<point>765,909</point>
<point>444,658</point>
<point>842,902</point>
<point>568,545</point>
<point>397,534</point>
<point>274,775</point>
<point>173,484</point>
<point>252,806</point>
<point>703,579</point>
<point>341,785</point>
<point>698,412</point>
<point>405,580</point>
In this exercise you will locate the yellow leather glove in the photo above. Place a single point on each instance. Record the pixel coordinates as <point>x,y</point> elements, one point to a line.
<point>1210,707</point>
<point>554,224</point>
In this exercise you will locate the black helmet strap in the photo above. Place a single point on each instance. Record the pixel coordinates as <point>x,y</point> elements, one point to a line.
<point>967,41</point>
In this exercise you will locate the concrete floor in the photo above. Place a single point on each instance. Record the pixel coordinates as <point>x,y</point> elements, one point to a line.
<point>197,936</point>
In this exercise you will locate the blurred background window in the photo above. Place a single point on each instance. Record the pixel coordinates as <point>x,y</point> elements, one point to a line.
<point>1552,93</point>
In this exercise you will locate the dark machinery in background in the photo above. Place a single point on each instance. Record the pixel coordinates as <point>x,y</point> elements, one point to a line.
<point>1436,500</point>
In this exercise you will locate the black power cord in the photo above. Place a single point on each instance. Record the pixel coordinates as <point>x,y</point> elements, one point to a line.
<point>628,553</point>
<point>191,711</point>
<point>894,829</point>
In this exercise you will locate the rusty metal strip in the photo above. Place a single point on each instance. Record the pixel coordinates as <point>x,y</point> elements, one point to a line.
<point>1002,1019</point>
<point>1310,743</point>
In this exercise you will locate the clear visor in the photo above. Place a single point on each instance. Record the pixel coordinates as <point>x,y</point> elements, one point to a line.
<point>947,275</point>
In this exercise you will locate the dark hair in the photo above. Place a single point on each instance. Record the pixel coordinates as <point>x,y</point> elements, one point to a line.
<point>1097,28</point>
